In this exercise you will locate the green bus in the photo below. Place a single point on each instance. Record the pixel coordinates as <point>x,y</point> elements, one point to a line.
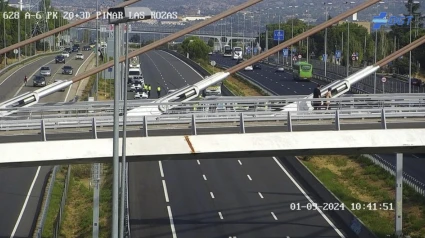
<point>302,71</point>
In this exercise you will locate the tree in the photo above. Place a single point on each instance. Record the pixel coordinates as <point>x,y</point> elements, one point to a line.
<point>196,48</point>
<point>211,42</point>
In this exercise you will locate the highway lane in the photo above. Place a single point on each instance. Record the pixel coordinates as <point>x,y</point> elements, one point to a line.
<point>266,77</point>
<point>279,83</point>
<point>21,190</point>
<point>212,198</point>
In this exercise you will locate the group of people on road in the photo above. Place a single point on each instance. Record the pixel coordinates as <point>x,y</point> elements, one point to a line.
<point>317,105</point>
<point>148,88</point>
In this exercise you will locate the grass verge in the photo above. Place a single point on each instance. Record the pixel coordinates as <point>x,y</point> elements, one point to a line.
<point>237,85</point>
<point>79,208</point>
<point>55,200</point>
<point>355,179</point>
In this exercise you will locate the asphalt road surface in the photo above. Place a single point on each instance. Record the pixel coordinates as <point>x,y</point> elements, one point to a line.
<point>21,189</point>
<point>283,84</point>
<point>216,198</point>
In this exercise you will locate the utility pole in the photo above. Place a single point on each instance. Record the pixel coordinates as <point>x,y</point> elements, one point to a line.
<point>96,93</point>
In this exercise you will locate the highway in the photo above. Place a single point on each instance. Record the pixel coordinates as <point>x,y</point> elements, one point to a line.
<point>283,84</point>
<point>248,197</point>
<point>21,189</point>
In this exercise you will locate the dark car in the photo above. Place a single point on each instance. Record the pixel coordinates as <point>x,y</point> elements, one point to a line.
<point>86,48</point>
<point>257,66</point>
<point>417,82</point>
<point>69,50</point>
<point>75,49</point>
<point>39,81</point>
<point>67,70</point>
<point>60,59</point>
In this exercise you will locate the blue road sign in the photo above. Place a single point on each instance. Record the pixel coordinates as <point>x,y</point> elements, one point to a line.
<point>338,54</point>
<point>255,50</point>
<point>285,52</point>
<point>279,35</point>
<point>324,57</point>
<point>294,50</point>
<point>382,19</point>
<point>110,69</point>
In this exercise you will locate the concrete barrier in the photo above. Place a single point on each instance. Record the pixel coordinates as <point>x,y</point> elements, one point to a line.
<point>346,217</point>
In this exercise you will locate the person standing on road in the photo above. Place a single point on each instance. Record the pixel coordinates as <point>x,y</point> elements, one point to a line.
<point>316,94</point>
<point>25,80</point>
<point>149,90</point>
<point>158,90</point>
<point>328,95</point>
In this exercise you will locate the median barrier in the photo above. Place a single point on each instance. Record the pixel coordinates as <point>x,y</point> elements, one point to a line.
<point>346,217</point>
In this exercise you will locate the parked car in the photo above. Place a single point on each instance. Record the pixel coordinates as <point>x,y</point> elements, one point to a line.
<point>60,59</point>
<point>67,70</point>
<point>257,66</point>
<point>39,81</point>
<point>45,71</point>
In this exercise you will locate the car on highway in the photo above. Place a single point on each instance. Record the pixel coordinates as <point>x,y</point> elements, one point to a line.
<point>280,69</point>
<point>67,70</point>
<point>257,66</point>
<point>142,95</point>
<point>57,80</point>
<point>76,48</point>
<point>39,81</point>
<point>45,71</point>
<point>65,54</point>
<point>171,91</point>
<point>60,59</point>
<point>249,68</point>
<point>79,56</point>
<point>68,49</point>
<point>86,48</point>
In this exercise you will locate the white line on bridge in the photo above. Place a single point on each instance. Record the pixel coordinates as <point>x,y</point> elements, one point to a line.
<point>221,216</point>
<point>164,185</point>
<point>274,216</point>
<point>205,177</point>
<point>160,169</point>
<point>261,195</point>
<point>170,215</point>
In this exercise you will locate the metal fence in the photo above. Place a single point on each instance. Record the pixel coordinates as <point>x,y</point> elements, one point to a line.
<point>412,182</point>
<point>43,213</point>
<point>58,220</point>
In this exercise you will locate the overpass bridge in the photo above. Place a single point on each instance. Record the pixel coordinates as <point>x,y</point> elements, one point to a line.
<point>220,38</point>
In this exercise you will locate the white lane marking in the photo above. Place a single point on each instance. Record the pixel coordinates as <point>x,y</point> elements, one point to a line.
<point>23,85</point>
<point>160,169</point>
<point>212,195</point>
<point>170,215</point>
<point>261,195</point>
<point>221,216</point>
<point>159,71</point>
<point>198,162</point>
<point>205,177</point>
<point>308,198</point>
<point>186,65</point>
<point>240,162</point>
<point>25,203</point>
<point>414,156</point>
<point>274,216</point>
<point>249,177</point>
<point>171,66</point>
<point>164,185</point>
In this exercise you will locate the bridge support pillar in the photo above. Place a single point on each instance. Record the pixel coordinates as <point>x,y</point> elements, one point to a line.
<point>145,127</point>
<point>43,131</point>
<point>399,196</point>
<point>242,124</point>
<point>383,120</point>
<point>337,121</point>
<point>289,122</point>
<point>194,125</point>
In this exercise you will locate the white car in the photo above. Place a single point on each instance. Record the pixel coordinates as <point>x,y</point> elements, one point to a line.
<point>280,69</point>
<point>249,68</point>
<point>142,95</point>
<point>65,54</point>
<point>79,56</point>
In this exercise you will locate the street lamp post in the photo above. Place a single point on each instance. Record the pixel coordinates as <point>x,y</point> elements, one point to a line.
<point>97,53</point>
<point>376,48</point>
<point>326,38</point>
<point>410,52</point>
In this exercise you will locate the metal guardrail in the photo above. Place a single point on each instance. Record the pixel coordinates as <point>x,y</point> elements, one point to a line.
<point>9,67</point>
<point>43,213</point>
<point>218,120</point>
<point>58,220</point>
<point>219,104</point>
<point>412,182</point>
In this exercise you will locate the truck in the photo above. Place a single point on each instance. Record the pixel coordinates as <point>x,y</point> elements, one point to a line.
<point>134,72</point>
